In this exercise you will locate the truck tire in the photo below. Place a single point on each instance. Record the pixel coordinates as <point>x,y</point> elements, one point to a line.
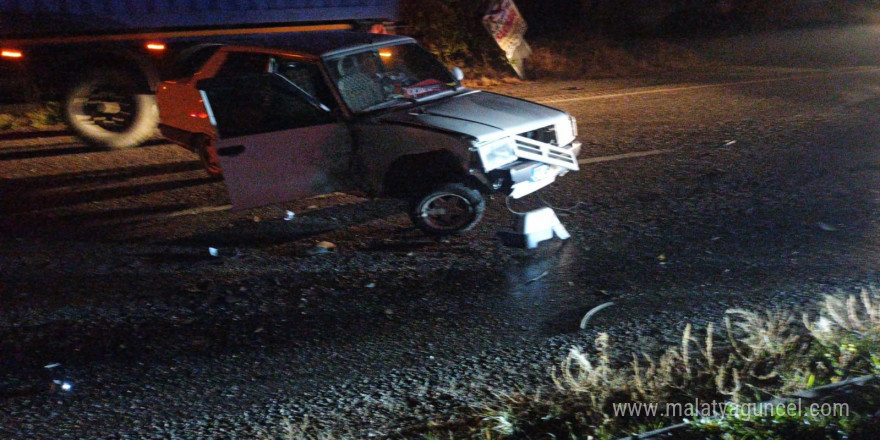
<point>450,209</point>
<point>108,113</point>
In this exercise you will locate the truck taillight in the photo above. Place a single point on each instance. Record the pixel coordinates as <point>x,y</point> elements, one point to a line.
<point>155,47</point>
<point>10,53</point>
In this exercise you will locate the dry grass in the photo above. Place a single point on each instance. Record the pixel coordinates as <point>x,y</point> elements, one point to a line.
<point>761,355</point>
<point>488,77</point>
<point>847,316</point>
<point>31,117</point>
<point>597,57</point>
<point>585,57</point>
<point>305,430</point>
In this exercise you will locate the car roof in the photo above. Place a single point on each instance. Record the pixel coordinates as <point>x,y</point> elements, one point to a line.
<point>316,43</point>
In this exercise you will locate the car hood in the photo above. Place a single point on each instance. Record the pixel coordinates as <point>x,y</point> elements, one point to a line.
<point>482,115</point>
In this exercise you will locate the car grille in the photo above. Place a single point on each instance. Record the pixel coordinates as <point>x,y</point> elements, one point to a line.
<point>546,135</point>
<point>542,145</point>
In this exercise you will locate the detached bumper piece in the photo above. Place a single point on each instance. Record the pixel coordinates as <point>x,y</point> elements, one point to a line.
<point>550,162</point>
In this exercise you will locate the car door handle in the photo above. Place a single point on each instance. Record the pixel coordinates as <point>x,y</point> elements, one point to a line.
<point>234,150</point>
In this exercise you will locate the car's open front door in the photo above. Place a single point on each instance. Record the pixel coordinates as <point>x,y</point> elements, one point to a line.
<point>275,143</point>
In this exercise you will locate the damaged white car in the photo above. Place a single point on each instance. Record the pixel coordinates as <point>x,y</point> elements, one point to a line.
<point>297,115</point>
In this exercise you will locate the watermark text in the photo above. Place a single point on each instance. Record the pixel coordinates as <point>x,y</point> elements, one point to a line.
<point>699,409</point>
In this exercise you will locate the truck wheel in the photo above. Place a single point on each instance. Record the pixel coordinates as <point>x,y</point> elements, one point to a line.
<point>451,209</point>
<point>109,114</point>
<point>208,156</point>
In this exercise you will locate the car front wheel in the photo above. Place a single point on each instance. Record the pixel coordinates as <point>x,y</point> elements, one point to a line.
<point>450,209</point>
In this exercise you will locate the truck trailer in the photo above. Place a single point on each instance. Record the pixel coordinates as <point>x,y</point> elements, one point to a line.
<point>103,59</point>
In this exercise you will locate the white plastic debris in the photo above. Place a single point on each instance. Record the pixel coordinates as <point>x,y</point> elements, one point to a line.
<point>288,215</point>
<point>729,143</point>
<point>214,252</point>
<point>62,385</point>
<point>370,286</point>
<point>536,226</point>
<point>51,366</point>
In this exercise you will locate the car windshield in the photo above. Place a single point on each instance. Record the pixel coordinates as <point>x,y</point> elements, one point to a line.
<point>387,76</point>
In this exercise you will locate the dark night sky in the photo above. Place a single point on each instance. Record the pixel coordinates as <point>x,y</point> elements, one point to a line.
<point>628,17</point>
<point>546,15</point>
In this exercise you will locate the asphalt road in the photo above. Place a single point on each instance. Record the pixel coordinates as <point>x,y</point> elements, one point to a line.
<point>742,187</point>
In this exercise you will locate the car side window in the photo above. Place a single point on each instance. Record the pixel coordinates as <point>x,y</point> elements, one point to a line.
<point>260,104</point>
<point>308,78</point>
<point>239,64</point>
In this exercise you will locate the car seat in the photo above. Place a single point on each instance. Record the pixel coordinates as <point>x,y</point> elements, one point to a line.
<point>358,89</point>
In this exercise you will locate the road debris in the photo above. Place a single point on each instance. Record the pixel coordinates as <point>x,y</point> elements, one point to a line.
<point>826,227</point>
<point>322,247</point>
<point>542,275</point>
<point>61,385</point>
<point>592,312</point>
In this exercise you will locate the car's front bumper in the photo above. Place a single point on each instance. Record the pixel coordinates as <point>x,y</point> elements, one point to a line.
<point>530,176</point>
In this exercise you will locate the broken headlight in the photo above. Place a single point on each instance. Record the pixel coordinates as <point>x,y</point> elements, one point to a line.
<point>497,154</point>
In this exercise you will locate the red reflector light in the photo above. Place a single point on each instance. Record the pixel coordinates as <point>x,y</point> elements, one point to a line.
<point>155,46</point>
<point>199,115</point>
<point>10,53</point>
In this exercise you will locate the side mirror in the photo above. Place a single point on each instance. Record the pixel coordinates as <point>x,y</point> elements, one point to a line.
<point>457,74</point>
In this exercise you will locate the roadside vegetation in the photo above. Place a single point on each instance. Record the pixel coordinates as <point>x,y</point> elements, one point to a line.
<point>589,39</point>
<point>453,31</point>
<point>30,117</point>
<point>755,357</point>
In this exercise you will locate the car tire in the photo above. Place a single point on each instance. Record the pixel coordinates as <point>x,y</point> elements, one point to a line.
<point>107,113</point>
<point>449,209</point>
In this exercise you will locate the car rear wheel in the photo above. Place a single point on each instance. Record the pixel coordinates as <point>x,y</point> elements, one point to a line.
<point>450,209</point>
